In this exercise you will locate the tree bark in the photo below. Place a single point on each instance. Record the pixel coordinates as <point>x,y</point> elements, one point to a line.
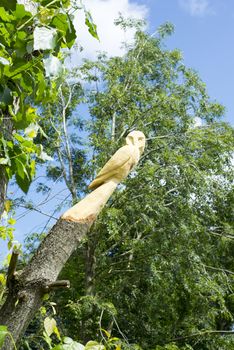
<point>27,289</point>
<point>90,264</point>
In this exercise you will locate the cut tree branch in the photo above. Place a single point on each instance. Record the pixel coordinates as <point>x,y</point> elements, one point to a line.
<point>57,284</point>
<point>26,290</point>
<point>12,268</point>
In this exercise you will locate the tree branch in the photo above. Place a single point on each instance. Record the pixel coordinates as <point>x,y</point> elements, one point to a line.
<point>221,332</point>
<point>220,235</point>
<point>26,293</point>
<point>57,284</point>
<point>67,143</point>
<point>12,268</point>
<point>218,269</point>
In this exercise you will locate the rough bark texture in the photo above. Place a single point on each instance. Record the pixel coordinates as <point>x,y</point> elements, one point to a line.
<point>27,289</point>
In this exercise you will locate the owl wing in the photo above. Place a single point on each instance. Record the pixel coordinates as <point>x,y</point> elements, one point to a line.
<point>112,167</point>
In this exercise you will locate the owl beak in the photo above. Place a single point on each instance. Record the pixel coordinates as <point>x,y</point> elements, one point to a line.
<point>141,145</point>
<point>141,149</point>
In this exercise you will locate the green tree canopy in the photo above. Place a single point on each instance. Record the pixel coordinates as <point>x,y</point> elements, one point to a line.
<point>159,260</point>
<point>34,37</point>
<point>157,268</point>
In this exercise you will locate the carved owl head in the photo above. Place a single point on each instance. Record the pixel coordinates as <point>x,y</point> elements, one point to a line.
<point>136,138</point>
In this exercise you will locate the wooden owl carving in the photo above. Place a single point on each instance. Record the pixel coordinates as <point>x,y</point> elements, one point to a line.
<point>122,162</point>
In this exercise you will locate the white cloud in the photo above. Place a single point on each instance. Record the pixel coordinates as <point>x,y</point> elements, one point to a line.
<point>198,8</point>
<point>104,12</point>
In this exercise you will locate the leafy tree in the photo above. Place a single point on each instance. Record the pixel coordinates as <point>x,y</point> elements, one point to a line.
<point>156,268</point>
<point>63,124</point>
<point>32,37</point>
<point>160,254</point>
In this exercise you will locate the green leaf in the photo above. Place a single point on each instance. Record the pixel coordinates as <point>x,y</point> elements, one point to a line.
<point>4,15</point>
<point>23,120</point>
<point>60,23</point>
<point>2,282</point>
<point>3,334</point>
<point>66,3</point>
<point>6,96</point>
<point>41,87</point>
<point>5,37</point>
<point>8,4</point>
<point>4,161</point>
<point>49,325</point>
<point>11,221</point>
<point>23,183</point>
<point>93,345</point>
<point>18,67</point>
<point>69,344</point>
<point>91,26</point>
<point>32,169</point>
<point>20,12</point>
<point>71,33</point>
<point>21,170</point>
<point>21,44</point>
<point>7,205</point>
<point>106,333</point>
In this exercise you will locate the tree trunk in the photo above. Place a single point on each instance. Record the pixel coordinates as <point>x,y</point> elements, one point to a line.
<point>27,289</point>
<point>90,265</point>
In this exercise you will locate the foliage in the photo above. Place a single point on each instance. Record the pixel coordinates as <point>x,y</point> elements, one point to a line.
<point>32,37</point>
<point>51,338</point>
<point>7,223</point>
<point>161,251</point>
<point>3,334</point>
<point>63,124</point>
<point>157,267</point>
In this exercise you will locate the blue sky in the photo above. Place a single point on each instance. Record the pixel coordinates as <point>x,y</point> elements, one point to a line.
<point>204,31</point>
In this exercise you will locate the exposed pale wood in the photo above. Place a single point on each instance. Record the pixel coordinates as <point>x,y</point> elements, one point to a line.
<point>106,181</point>
<point>26,290</point>
<point>12,268</point>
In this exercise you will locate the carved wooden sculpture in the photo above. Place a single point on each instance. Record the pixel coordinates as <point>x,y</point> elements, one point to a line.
<point>106,181</point>
<point>26,290</point>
